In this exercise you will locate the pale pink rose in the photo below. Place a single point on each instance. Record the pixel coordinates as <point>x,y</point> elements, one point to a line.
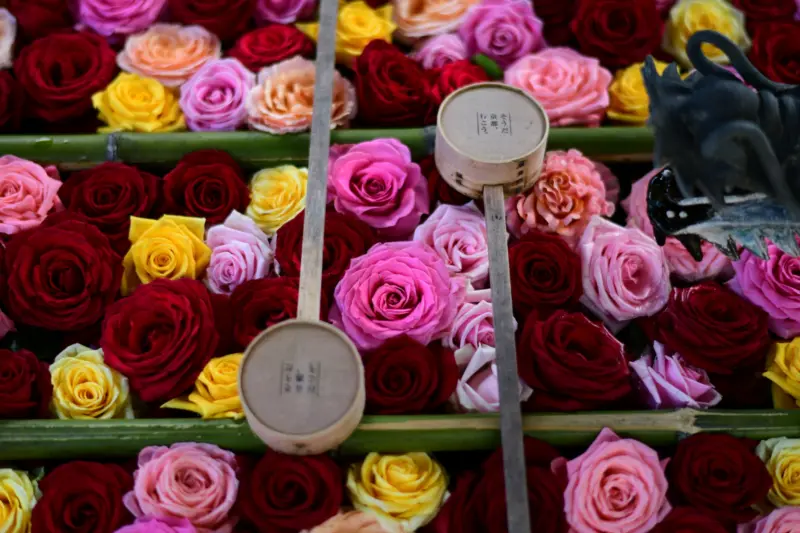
<point>159,525</point>
<point>783,520</point>
<point>6,325</point>
<point>439,51</point>
<point>503,30</point>
<point>213,98</point>
<point>283,98</point>
<point>399,288</point>
<point>458,235</point>
<point>422,18</point>
<point>474,322</point>
<point>572,88</point>
<point>353,522</point>
<point>668,382</point>
<point>478,390</point>
<point>28,193</point>
<point>377,182</point>
<point>240,252</point>
<point>8,33</point>
<point>186,480</point>
<point>616,485</point>
<point>112,18</point>
<point>568,193</point>
<point>284,11</point>
<point>625,273</point>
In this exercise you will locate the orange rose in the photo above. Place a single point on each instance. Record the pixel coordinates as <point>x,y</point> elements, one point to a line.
<point>169,53</point>
<point>421,18</point>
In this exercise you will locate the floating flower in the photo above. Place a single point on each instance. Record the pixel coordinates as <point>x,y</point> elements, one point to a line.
<point>782,458</point>
<point>18,496</point>
<point>117,18</point>
<point>417,19</point>
<point>687,17</point>
<point>503,30</point>
<point>629,102</point>
<point>134,103</point>
<point>284,11</point>
<point>240,251</point>
<point>277,195</point>
<point>28,193</point>
<point>213,98</point>
<point>8,34</point>
<point>216,391</point>
<point>439,51</point>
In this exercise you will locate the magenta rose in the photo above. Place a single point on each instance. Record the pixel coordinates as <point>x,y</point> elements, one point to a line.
<point>783,520</point>
<point>28,193</point>
<point>240,251</point>
<point>284,11</point>
<point>115,18</point>
<point>159,525</point>
<point>377,182</point>
<point>440,50</point>
<point>400,288</point>
<point>213,98</point>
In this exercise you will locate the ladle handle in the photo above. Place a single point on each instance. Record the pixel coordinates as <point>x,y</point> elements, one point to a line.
<point>316,191</point>
<point>516,479</point>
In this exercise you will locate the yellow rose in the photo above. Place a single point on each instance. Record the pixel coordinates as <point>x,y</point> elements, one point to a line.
<point>782,458</point>
<point>171,247</point>
<point>85,387</point>
<point>783,370</point>
<point>687,17</point>
<point>277,195</point>
<point>18,495</point>
<point>134,103</point>
<point>628,97</point>
<point>400,490</point>
<point>216,391</point>
<point>358,24</point>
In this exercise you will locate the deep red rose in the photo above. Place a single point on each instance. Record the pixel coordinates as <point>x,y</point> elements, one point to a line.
<point>286,493</point>
<point>718,474</point>
<point>161,337</point>
<point>346,237</point>
<point>556,15</point>
<point>37,18</point>
<point>572,363</point>
<point>403,376</point>
<point>776,51</point>
<point>617,32</point>
<point>82,497</point>
<point>270,44</point>
<point>25,388</point>
<point>438,189</point>
<point>227,19</point>
<point>545,275</point>
<point>477,503</point>
<point>61,275</point>
<point>756,11</point>
<point>392,89</point>
<point>712,328</point>
<point>453,76</point>
<point>108,195</point>
<point>689,520</point>
<point>207,184</point>
<point>11,102</point>
<point>62,71</point>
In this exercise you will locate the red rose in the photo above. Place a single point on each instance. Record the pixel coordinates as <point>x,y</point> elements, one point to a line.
<point>766,10</point>
<point>477,504</point>
<point>403,376</point>
<point>37,18</point>
<point>438,189</point>
<point>25,388</point>
<point>454,76</point>
<point>572,363</point>
<point>270,44</point>
<point>227,19</point>
<point>689,520</point>
<point>82,497</point>
<point>712,328</point>
<point>719,475</point>
<point>11,102</point>
<point>545,275</point>
<point>286,493</point>
<point>776,51</point>
<point>556,15</point>
<point>617,32</point>
<point>207,184</point>
<point>392,89</point>
<point>747,389</point>
<point>346,238</point>
<point>108,195</point>
<point>61,275</point>
<point>62,71</point>
<point>161,337</point>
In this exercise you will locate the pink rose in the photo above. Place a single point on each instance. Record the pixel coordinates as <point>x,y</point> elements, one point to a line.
<point>159,525</point>
<point>714,264</point>
<point>503,30</point>
<point>568,193</point>
<point>458,235</point>
<point>119,17</point>
<point>669,382</point>
<point>240,251</point>
<point>783,520</point>
<point>478,389</point>
<point>28,193</point>
<point>284,11</point>
<point>572,88</point>
<point>610,181</point>
<point>213,98</point>
<point>439,51</point>
<point>625,273</point>
<point>353,522</point>
<point>6,325</point>
<point>186,480</point>
<point>377,182</point>
<point>616,485</point>
<point>400,288</point>
<point>773,285</point>
<point>473,325</point>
